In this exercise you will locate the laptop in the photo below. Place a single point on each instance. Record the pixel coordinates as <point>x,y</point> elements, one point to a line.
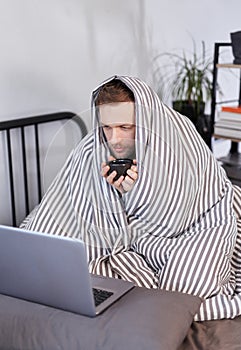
<point>53,271</point>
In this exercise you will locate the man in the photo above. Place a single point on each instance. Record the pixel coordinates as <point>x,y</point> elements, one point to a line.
<point>172,222</point>
<point>117,120</point>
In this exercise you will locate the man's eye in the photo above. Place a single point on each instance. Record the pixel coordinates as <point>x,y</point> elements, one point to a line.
<point>106,127</point>
<point>126,127</point>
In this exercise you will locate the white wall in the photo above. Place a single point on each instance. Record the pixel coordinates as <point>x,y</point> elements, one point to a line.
<point>176,24</point>
<point>54,52</point>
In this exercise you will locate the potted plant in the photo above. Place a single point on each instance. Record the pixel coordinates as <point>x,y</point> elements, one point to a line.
<point>187,78</point>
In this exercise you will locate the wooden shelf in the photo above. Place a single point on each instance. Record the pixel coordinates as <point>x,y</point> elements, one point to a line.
<point>228,65</point>
<point>216,136</point>
<point>232,162</point>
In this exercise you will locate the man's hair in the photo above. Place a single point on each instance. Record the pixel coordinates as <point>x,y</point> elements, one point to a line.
<point>114,91</point>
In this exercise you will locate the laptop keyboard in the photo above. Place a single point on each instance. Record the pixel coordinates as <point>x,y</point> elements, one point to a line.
<point>100,295</point>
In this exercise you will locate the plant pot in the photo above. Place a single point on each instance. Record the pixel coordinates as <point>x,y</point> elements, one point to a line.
<point>191,109</point>
<point>236,46</point>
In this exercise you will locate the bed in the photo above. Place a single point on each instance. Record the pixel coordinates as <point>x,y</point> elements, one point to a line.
<point>28,146</point>
<point>213,335</point>
<point>143,319</point>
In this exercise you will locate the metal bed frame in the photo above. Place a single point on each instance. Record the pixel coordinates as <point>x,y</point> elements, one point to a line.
<point>7,126</point>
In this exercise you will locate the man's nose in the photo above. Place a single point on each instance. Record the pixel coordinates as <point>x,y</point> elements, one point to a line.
<point>115,135</point>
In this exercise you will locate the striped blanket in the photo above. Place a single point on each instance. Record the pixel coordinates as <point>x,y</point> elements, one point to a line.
<point>179,228</point>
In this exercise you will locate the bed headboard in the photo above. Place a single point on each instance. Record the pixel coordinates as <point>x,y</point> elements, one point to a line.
<point>24,132</point>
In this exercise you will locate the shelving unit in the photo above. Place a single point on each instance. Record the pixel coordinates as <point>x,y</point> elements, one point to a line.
<point>231,162</point>
<point>228,65</point>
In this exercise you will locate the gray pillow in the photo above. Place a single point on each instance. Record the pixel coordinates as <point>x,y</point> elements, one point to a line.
<point>142,319</point>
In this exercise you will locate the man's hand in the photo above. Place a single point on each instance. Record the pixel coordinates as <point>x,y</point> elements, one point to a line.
<point>124,183</point>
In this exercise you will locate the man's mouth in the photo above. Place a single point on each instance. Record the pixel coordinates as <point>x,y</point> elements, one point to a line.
<point>118,149</point>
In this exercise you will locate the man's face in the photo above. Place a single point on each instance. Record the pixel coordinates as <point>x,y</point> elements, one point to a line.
<point>118,123</point>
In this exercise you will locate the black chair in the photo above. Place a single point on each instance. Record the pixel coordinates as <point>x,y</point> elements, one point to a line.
<point>20,128</point>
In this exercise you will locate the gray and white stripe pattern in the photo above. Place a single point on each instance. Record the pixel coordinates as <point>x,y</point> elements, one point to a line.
<point>179,228</point>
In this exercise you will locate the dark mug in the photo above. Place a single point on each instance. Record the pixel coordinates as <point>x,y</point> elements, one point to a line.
<point>120,166</point>
<point>236,46</point>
